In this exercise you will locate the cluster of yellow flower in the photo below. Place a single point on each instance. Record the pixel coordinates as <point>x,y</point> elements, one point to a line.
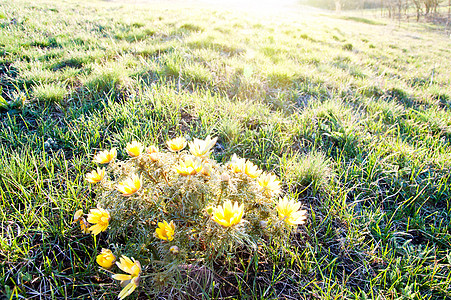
<point>226,215</point>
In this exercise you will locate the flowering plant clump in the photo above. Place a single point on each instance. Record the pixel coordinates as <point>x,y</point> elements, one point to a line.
<point>179,207</point>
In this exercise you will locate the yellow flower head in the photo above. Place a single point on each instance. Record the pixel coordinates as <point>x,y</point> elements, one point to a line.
<point>251,170</point>
<point>176,144</point>
<point>131,281</point>
<point>106,258</point>
<point>190,166</point>
<point>100,217</point>
<point>237,165</point>
<point>269,184</point>
<point>95,176</point>
<point>165,231</point>
<point>152,149</point>
<point>130,185</point>
<point>229,215</point>
<point>130,266</point>
<point>134,149</point>
<point>106,156</point>
<point>202,148</point>
<point>289,212</point>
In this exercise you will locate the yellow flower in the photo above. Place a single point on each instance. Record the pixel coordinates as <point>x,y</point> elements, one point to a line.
<point>131,281</point>
<point>289,212</point>
<point>237,165</point>
<point>190,166</point>
<point>165,231</point>
<point>95,176</point>
<point>269,184</point>
<point>106,258</point>
<point>152,149</point>
<point>78,217</point>
<point>251,170</point>
<point>106,156</point>
<point>84,226</point>
<point>130,266</point>
<point>228,215</point>
<point>202,148</point>
<point>134,148</point>
<point>100,217</point>
<point>176,144</point>
<point>130,185</point>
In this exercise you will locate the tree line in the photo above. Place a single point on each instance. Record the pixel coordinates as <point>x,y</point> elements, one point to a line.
<point>392,8</point>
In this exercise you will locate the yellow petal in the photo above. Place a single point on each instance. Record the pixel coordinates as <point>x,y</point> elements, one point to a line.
<point>122,277</point>
<point>127,290</point>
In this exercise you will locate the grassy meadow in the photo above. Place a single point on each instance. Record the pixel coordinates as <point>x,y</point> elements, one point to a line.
<point>353,114</point>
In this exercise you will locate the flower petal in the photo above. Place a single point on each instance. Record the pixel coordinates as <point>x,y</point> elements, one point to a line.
<point>127,290</point>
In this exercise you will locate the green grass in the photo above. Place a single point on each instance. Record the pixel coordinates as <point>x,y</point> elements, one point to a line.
<point>352,113</point>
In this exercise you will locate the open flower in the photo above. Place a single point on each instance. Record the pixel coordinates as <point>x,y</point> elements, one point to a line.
<point>229,215</point>
<point>289,212</point>
<point>130,185</point>
<point>237,164</point>
<point>100,217</point>
<point>176,144</point>
<point>131,281</point>
<point>202,148</point>
<point>251,170</point>
<point>95,176</point>
<point>189,166</point>
<point>105,157</point>
<point>134,148</point>
<point>165,231</point>
<point>269,184</point>
<point>106,258</point>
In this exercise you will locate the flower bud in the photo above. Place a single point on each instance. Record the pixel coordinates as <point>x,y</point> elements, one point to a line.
<point>209,210</point>
<point>154,156</point>
<point>152,149</point>
<point>78,215</point>
<point>174,250</point>
<point>206,171</point>
<point>106,259</point>
<point>225,177</point>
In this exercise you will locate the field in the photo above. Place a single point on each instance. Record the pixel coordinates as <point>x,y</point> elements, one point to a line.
<point>352,113</point>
